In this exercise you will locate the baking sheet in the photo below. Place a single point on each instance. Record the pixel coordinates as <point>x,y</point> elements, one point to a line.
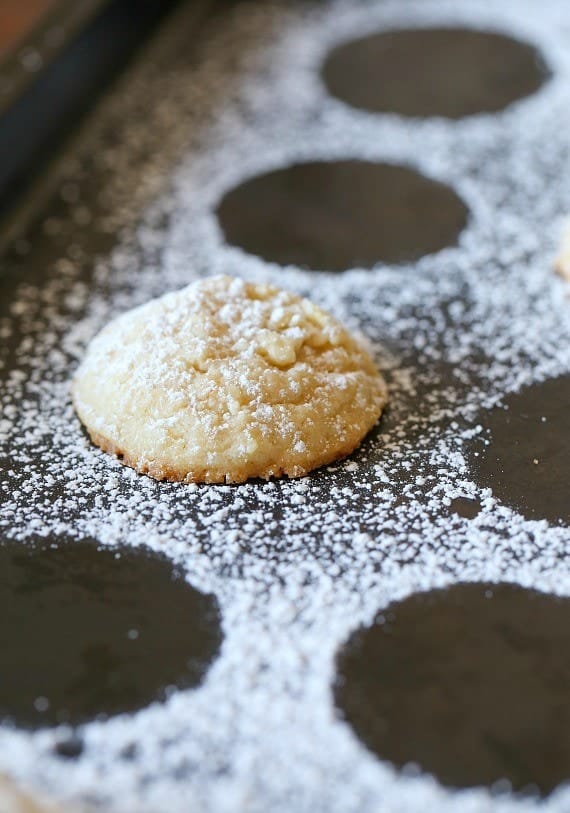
<point>297,567</point>
<point>48,83</point>
<point>39,40</point>
<point>18,20</point>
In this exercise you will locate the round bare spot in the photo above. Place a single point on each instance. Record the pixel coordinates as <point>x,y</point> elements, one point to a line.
<point>449,72</point>
<point>336,215</point>
<point>526,458</point>
<point>468,683</point>
<point>89,632</point>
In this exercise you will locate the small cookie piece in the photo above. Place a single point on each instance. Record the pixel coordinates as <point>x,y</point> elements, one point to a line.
<point>13,800</point>
<point>226,380</point>
<point>562,262</point>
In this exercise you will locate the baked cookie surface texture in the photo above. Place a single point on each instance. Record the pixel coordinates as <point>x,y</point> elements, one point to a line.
<point>562,262</point>
<point>227,380</point>
<point>12,800</point>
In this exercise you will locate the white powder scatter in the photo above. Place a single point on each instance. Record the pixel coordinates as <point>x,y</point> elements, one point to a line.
<point>296,566</point>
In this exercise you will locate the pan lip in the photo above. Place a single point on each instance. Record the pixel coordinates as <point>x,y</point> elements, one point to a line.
<point>45,42</point>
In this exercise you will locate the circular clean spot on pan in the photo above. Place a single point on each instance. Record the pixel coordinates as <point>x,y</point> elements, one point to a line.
<point>69,748</point>
<point>469,683</point>
<point>335,215</point>
<point>527,460</point>
<point>465,507</point>
<point>89,632</point>
<point>449,72</point>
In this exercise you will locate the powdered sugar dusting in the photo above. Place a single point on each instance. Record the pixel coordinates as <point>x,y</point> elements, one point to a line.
<point>296,566</point>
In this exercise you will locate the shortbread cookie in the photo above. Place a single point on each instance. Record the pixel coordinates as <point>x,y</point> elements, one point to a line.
<point>562,263</point>
<point>226,380</point>
<point>12,800</point>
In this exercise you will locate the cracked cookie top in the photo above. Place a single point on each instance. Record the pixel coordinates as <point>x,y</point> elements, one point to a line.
<point>227,380</point>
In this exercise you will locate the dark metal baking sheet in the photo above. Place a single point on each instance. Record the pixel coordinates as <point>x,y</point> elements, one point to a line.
<point>52,78</point>
<point>95,211</point>
<point>24,63</point>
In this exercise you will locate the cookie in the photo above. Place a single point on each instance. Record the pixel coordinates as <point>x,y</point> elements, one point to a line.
<point>227,380</point>
<point>12,800</point>
<point>562,262</point>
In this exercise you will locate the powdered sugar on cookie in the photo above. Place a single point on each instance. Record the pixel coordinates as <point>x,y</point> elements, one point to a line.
<point>227,380</point>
